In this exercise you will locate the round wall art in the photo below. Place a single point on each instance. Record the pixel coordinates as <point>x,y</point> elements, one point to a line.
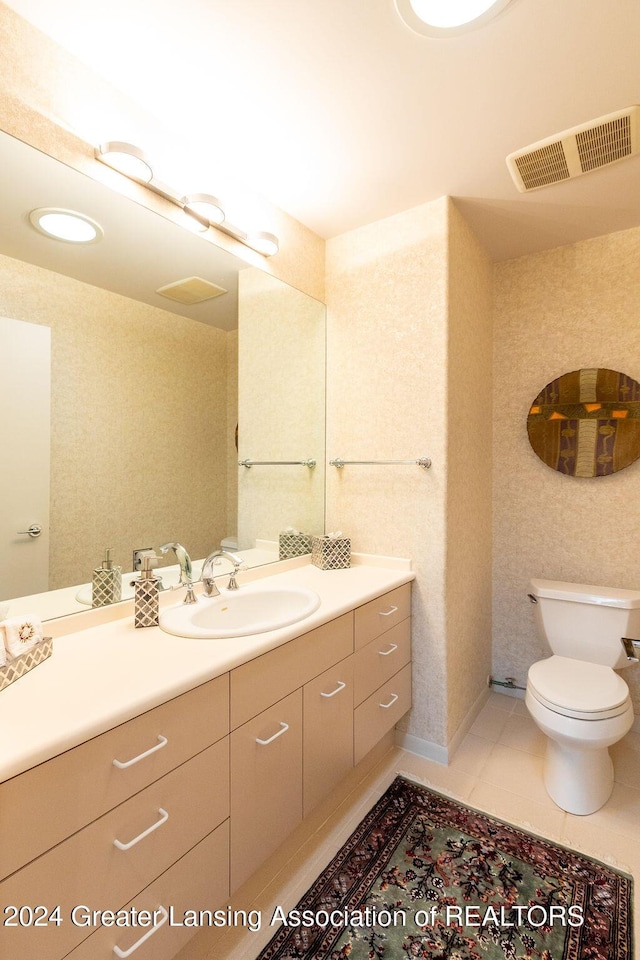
<point>587,423</point>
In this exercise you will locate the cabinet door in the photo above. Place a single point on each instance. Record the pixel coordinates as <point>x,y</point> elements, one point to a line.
<point>266,784</point>
<point>328,732</point>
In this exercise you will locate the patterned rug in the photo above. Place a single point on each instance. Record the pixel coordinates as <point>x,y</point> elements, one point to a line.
<point>424,876</point>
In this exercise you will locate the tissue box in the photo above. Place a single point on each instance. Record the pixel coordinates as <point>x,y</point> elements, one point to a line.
<point>21,665</point>
<point>294,545</point>
<point>331,553</point>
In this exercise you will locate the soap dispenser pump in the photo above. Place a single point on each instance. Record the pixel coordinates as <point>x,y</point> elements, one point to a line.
<point>106,585</point>
<point>147,587</point>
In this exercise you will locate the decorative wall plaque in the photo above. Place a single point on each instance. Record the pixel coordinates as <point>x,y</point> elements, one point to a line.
<point>587,423</point>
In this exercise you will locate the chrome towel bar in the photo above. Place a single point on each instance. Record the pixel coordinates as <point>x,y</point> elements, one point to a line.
<point>423,462</point>
<point>276,463</point>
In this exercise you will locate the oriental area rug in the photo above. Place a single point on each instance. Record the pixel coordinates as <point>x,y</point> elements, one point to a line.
<point>424,876</point>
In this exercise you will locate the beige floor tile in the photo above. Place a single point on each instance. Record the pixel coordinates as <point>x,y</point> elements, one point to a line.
<point>522,733</point>
<point>490,722</point>
<point>537,818</point>
<point>501,700</point>
<point>517,772</point>
<point>453,783</point>
<point>471,755</point>
<point>520,709</point>
<point>620,814</point>
<point>589,835</point>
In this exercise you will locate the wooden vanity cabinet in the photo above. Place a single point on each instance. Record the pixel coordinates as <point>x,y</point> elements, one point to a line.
<point>113,856</point>
<point>328,732</point>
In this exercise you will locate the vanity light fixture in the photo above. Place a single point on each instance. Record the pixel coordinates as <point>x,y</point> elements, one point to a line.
<point>67,225</point>
<point>446,18</point>
<point>204,208</point>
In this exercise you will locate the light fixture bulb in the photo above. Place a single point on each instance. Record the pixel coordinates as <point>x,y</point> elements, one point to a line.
<point>67,225</point>
<point>204,205</point>
<point>441,18</point>
<point>262,242</point>
<point>126,159</point>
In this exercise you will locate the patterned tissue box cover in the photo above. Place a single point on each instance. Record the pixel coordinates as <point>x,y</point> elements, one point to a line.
<point>294,545</point>
<point>331,553</point>
<point>25,662</point>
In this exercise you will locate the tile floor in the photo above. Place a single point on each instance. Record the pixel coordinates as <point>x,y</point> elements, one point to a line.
<point>498,769</point>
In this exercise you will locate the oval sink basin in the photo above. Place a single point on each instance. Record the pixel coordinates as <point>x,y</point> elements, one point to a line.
<point>240,613</point>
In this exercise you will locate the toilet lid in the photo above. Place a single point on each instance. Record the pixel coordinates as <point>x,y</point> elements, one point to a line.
<point>578,689</point>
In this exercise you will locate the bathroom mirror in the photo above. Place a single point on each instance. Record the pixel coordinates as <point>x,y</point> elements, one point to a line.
<point>146,423</point>
<point>586,423</point>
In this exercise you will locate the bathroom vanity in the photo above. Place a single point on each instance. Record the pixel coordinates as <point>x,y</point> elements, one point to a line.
<point>150,775</point>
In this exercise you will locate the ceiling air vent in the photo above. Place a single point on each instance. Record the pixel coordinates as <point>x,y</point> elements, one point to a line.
<point>190,291</point>
<point>577,151</point>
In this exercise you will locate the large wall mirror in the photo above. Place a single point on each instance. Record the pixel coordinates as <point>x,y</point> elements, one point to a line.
<point>124,413</point>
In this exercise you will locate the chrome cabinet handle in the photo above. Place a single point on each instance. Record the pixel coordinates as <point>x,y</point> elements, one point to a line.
<point>34,531</point>
<point>385,706</point>
<point>284,727</point>
<point>387,613</point>
<point>340,687</point>
<point>392,648</point>
<point>164,816</point>
<point>122,765</point>
<point>123,954</point>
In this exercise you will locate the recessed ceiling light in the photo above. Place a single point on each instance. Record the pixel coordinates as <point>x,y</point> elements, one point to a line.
<point>67,225</point>
<point>444,18</point>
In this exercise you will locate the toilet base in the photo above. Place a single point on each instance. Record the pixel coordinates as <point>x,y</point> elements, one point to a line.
<point>580,781</point>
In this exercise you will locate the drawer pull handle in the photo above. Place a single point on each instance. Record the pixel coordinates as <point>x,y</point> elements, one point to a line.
<point>385,706</point>
<point>340,687</point>
<point>387,613</point>
<point>385,653</point>
<point>283,729</point>
<point>122,954</point>
<point>164,816</point>
<point>162,742</point>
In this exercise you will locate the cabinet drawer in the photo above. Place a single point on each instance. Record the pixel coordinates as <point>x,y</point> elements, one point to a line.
<point>261,682</point>
<point>266,784</point>
<point>380,712</point>
<point>156,826</point>
<point>328,732</point>
<point>199,881</point>
<point>381,614</point>
<point>35,809</point>
<point>381,659</point>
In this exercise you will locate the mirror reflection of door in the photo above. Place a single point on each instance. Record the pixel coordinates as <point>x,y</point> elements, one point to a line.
<point>587,423</point>
<point>25,401</point>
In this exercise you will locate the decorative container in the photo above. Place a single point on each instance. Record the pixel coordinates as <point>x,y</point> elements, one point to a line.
<point>331,553</point>
<point>294,545</point>
<point>21,665</point>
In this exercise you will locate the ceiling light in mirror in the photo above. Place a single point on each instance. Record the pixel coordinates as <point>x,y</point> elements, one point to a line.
<point>67,225</point>
<point>204,205</point>
<point>442,18</point>
<point>261,242</point>
<point>127,159</point>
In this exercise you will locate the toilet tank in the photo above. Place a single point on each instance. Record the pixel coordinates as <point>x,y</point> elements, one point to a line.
<point>586,622</point>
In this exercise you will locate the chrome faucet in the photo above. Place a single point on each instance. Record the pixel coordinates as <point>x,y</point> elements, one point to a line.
<point>186,578</point>
<point>210,588</point>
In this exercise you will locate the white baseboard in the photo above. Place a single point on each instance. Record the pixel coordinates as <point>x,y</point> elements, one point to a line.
<point>434,751</point>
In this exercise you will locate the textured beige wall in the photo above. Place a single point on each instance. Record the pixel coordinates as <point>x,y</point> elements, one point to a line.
<point>139,431</point>
<point>281,381</point>
<point>468,607</point>
<point>52,101</point>
<point>567,308</point>
<point>387,399</point>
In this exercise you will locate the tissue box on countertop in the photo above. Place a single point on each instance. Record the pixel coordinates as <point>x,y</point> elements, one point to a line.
<point>293,543</point>
<point>331,552</point>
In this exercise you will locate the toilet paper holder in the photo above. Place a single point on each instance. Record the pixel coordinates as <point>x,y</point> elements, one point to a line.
<point>630,648</point>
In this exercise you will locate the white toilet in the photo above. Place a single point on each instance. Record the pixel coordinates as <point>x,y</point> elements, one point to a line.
<point>574,696</point>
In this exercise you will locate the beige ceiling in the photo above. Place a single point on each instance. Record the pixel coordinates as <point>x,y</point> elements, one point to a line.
<point>341,115</point>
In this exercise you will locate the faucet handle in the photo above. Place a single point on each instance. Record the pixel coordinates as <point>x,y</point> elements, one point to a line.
<point>189,596</point>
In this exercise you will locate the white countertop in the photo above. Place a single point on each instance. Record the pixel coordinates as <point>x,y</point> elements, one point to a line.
<point>101,676</point>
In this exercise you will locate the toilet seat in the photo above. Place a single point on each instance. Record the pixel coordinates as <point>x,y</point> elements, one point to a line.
<point>578,689</point>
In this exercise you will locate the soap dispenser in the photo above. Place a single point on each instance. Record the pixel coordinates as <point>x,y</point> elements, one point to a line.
<point>147,587</point>
<point>106,586</point>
